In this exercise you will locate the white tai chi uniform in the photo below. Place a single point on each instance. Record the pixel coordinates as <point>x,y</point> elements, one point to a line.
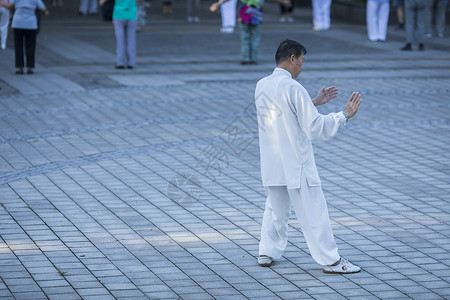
<point>377,19</point>
<point>288,121</point>
<point>321,14</point>
<point>228,13</point>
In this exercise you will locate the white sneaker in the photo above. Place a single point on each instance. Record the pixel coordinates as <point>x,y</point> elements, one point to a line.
<point>315,28</point>
<point>265,261</point>
<point>428,35</point>
<point>343,267</point>
<point>282,19</point>
<point>227,30</point>
<point>3,47</point>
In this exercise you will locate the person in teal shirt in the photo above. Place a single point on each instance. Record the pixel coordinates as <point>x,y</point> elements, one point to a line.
<point>124,20</point>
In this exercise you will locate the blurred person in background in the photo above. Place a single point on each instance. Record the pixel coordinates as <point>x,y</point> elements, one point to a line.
<point>286,13</point>
<point>193,10</point>
<point>398,5</point>
<point>124,20</point>
<point>250,16</point>
<point>57,3</point>
<point>377,19</point>
<point>321,14</point>
<point>228,13</point>
<point>167,7</point>
<point>25,25</point>
<point>415,15</point>
<point>141,18</point>
<point>436,9</point>
<point>88,6</point>
<point>4,22</point>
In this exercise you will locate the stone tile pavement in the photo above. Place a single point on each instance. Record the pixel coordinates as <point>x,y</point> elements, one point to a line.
<point>145,183</point>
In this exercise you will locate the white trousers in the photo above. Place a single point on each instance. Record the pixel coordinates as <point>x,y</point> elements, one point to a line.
<point>377,20</point>
<point>321,14</point>
<point>4,21</point>
<point>228,13</point>
<point>312,213</point>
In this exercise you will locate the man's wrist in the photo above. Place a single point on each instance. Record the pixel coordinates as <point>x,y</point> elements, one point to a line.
<point>345,115</point>
<point>314,101</point>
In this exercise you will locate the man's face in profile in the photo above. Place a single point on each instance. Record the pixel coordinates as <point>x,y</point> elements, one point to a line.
<point>297,65</point>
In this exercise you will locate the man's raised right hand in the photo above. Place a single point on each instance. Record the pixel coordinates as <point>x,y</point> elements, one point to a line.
<point>353,104</point>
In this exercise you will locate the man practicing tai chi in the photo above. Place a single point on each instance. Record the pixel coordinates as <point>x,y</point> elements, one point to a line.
<point>288,120</point>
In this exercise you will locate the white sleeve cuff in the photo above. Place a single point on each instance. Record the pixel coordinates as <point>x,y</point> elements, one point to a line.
<point>342,118</point>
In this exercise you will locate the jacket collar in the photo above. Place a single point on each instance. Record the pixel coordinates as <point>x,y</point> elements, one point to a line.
<point>282,72</point>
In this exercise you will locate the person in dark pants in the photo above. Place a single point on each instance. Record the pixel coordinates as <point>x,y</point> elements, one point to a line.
<point>25,27</point>
<point>250,15</point>
<point>286,12</point>
<point>415,15</point>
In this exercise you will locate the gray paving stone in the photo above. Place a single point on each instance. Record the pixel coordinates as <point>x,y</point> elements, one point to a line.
<point>87,155</point>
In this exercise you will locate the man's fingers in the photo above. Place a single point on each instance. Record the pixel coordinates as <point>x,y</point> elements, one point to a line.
<point>354,97</point>
<point>358,103</point>
<point>332,90</point>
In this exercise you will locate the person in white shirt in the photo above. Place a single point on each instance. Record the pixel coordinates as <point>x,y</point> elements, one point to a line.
<point>288,120</point>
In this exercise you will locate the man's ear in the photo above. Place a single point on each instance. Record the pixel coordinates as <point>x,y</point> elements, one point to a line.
<point>292,58</point>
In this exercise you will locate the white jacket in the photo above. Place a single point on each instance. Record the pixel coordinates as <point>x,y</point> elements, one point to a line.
<point>288,121</point>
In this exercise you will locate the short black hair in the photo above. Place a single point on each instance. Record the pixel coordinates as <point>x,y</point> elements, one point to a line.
<point>287,48</point>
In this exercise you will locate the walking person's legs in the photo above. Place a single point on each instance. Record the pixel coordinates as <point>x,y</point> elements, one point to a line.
<point>193,7</point>
<point>326,14</point>
<point>196,11</point>
<point>119,30</point>
<point>228,13</point>
<point>30,46</point>
<point>321,14</point>
<point>383,20</point>
<point>245,42</point>
<point>83,7</point>
<point>18,50</point>
<point>4,22</point>
<point>371,19</point>
<point>131,43</point>
<point>189,8</point>
<point>441,11</point>
<point>421,10</point>
<point>409,23</point>
<point>254,43</point>
<point>429,19</point>
<point>93,7</point>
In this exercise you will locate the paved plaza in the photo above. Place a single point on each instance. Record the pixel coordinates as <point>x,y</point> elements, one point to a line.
<point>145,183</point>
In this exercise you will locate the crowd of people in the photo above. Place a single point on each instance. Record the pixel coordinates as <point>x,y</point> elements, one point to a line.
<point>420,19</point>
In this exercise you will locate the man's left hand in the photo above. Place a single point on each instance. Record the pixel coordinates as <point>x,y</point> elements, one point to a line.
<point>325,95</point>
